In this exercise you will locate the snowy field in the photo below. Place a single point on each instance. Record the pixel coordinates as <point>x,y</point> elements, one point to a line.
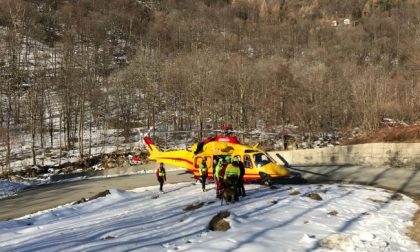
<point>348,218</point>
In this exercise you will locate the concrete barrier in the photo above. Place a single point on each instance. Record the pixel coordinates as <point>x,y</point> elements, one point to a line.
<point>374,154</point>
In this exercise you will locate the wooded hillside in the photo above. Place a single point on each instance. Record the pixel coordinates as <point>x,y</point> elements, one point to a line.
<point>323,65</point>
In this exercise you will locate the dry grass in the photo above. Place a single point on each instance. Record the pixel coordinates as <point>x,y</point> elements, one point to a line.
<point>406,134</point>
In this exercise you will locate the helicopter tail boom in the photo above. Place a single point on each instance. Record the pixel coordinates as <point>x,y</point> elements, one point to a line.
<point>180,158</point>
<point>150,145</point>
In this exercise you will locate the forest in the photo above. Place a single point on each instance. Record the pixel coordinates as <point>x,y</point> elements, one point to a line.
<point>70,66</point>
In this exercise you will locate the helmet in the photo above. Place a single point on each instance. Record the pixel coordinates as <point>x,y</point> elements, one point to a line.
<point>235,159</point>
<point>228,158</point>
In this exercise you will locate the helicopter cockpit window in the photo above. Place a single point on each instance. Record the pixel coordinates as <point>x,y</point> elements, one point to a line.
<point>261,159</point>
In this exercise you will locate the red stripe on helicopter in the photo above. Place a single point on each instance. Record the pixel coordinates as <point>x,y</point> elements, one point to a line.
<point>148,141</point>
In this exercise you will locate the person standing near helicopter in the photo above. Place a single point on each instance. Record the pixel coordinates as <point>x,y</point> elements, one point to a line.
<point>217,177</point>
<point>203,173</point>
<point>231,177</point>
<point>241,187</point>
<point>161,176</point>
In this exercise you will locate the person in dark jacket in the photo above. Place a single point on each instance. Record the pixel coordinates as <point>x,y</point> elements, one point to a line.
<point>203,173</point>
<point>241,187</point>
<point>161,176</point>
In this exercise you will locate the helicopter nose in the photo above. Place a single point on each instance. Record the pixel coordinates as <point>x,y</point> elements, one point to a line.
<point>275,171</point>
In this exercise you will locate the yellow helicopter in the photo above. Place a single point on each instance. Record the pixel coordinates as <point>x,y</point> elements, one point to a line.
<point>258,165</point>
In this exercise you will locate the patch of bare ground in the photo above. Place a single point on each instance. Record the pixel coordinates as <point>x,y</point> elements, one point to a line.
<point>401,134</point>
<point>414,231</point>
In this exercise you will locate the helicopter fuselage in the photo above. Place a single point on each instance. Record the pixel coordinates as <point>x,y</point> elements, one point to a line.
<point>258,165</point>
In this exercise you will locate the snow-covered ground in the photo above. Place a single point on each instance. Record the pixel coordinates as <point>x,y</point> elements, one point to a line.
<point>265,220</point>
<point>8,188</point>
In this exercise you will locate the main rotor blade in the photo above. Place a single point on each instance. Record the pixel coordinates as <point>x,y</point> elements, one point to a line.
<point>288,166</point>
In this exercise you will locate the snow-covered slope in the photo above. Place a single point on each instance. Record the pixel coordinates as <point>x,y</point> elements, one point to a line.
<point>266,220</point>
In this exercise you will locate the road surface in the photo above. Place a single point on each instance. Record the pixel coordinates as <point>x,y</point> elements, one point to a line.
<point>404,180</point>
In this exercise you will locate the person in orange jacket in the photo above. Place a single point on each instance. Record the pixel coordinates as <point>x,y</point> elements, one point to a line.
<point>161,176</point>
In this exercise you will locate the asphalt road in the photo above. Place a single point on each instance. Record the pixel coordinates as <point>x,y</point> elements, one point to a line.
<point>405,180</point>
<point>53,195</point>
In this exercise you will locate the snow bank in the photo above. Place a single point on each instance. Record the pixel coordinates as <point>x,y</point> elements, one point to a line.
<point>8,188</point>
<point>365,219</point>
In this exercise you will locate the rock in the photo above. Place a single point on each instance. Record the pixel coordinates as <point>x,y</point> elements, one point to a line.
<point>396,196</point>
<point>109,237</point>
<point>294,193</point>
<point>314,196</point>
<point>218,223</point>
<point>273,202</point>
<point>333,213</point>
<point>193,206</point>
